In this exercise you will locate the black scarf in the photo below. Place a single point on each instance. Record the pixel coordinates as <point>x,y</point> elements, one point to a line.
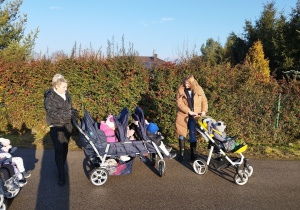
<point>190,99</point>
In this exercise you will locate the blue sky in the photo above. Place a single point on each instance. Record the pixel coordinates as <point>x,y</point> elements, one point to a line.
<point>166,27</point>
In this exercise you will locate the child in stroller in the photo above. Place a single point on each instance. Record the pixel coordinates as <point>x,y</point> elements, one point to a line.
<point>213,133</point>
<point>109,127</point>
<point>12,172</point>
<point>17,162</point>
<point>217,131</point>
<point>152,134</point>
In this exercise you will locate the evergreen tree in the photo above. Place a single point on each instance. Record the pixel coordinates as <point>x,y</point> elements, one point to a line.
<point>212,52</point>
<point>235,49</point>
<point>292,40</point>
<point>256,59</point>
<point>13,43</point>
<point>264,30</point>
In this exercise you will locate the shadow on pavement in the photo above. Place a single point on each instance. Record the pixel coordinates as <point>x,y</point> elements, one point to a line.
<point>50,194</point>
<point>151,165</point>
<point>226,173</point>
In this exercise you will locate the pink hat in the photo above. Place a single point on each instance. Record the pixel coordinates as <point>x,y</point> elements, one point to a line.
<point>110,121</point>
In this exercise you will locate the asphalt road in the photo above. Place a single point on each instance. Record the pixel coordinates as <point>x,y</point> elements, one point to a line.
<point>273,185</point>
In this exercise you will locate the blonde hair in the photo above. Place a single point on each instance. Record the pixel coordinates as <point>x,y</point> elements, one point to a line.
<point>57,80</point>
<point>191,80</point>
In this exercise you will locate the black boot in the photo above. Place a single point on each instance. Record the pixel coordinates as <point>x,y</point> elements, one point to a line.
<point>181,149</point>
<point>61,179</point>
<point>193,146</point>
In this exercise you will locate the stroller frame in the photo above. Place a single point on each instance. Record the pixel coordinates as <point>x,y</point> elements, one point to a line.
<point>243,168</point>
<point>8,188</point>
<point>102,163</point>
<point>99,175</point>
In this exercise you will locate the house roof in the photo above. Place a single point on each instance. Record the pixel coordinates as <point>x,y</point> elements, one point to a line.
<point>149,59</point>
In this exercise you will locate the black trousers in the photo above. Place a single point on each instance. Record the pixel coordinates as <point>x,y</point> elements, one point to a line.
<point>60,137</point>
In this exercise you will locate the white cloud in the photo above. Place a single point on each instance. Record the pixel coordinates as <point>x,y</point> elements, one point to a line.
<point>55,8</point>
<point>166,19</point>
<point>163,20</point>
<point>144,23</point>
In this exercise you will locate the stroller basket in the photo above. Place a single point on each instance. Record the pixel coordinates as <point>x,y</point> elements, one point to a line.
<point>122,169</point>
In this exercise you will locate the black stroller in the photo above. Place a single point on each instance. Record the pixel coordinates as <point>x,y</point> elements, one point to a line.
<point>105,156</point>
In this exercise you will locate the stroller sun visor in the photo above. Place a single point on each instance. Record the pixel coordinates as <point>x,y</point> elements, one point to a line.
<point>122,122</point>
<point>138,112</point>
<point>92,130</point>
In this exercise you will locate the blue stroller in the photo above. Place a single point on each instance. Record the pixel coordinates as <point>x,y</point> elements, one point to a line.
<point>105,156</point>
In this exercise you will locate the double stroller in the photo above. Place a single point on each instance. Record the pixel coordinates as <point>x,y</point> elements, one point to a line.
<point>218,158</point>
<point>9,182</point>
<point>105,156</point>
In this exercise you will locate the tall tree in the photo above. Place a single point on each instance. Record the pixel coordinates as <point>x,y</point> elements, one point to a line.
<point>293,39</point>
<point>212,52</point>
<point>256,59</point>
<point>235,49</point>
<point>13,42</point>
<point>264,30</point>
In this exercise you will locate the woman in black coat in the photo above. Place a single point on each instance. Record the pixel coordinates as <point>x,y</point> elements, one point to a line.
<point>59,112</point>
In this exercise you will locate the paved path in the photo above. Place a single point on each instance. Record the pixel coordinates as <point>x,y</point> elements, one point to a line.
<point>273,185</point>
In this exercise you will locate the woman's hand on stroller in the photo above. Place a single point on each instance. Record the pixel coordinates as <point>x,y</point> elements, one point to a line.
<point>202,114</point>
<point>74,114</point>
<point>193,113</point>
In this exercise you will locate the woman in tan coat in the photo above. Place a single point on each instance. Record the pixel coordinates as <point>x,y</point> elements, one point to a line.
<point>191,101</point>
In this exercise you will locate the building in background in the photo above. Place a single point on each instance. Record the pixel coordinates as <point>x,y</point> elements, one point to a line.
<point>150,62</point>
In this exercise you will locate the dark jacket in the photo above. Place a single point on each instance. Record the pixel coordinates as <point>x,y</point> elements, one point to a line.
<point>156,138</point>
<point>58,110</point>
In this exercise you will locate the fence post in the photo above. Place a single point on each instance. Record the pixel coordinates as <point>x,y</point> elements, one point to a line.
<point>278,111</point>
<point>82,98</point>
<point>277,118</point>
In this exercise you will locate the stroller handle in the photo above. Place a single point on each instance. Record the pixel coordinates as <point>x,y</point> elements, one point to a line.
<point>74,121</point>
<point>198,126</point>
<point>13,150</point>
<point>2,160</point>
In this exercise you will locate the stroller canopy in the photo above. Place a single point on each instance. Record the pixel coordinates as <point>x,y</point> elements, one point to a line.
<point>122,122</point>
<point>92,130</point>
<point>139,115</point>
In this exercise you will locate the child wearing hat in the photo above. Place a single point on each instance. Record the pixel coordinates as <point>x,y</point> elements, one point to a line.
<point>18,163</point>
<point>109,127</point>
<point>156,137</point>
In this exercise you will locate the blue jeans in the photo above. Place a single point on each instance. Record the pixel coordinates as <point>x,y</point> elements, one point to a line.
<point>192,131</point>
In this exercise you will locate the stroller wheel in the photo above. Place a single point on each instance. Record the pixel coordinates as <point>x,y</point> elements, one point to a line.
<point>98,176</point>
<point>12,194</point>
<point>3,205</point>
<point>200,167</point>
<point>153,157</point>
<point>161,167</point>
<point>241,180</point>
<point>248,170</point>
